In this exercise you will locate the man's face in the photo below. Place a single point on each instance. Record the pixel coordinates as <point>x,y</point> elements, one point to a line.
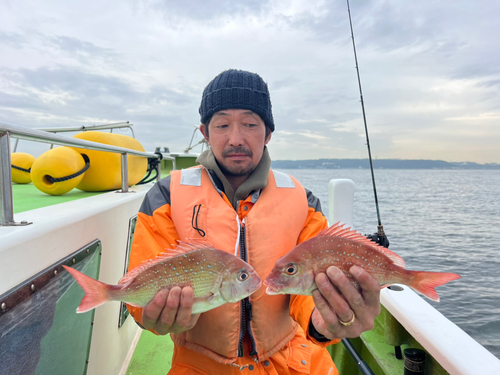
<point>237,138</point>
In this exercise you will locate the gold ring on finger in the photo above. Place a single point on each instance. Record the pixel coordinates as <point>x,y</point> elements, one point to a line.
<point>349,322</point>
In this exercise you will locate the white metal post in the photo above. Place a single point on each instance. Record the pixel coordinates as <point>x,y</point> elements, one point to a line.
<point>341,199</point>
<point>6,181</point>
<point>124,173</point>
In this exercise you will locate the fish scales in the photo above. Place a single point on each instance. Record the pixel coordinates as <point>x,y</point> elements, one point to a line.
<point>216,277</point>
<point>294,273</point>
<point>199,271</point>
<point>345,253</point>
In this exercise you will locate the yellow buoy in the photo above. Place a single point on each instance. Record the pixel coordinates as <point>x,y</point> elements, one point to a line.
<point>105,167</point>
<point>21,164</point>
<point>60,162</point>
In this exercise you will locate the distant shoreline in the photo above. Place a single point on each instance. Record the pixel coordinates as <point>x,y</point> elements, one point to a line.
<point>379,164</point>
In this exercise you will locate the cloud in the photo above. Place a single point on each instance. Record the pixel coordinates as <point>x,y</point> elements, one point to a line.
<point>481,117</point>
<point>70,97</point>
<point>13,40</point>
<point>81,50</point>
<point>206,10</point>
<point>425,67</point>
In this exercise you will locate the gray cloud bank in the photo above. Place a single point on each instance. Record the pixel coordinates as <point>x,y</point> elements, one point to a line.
<point>430,71</point>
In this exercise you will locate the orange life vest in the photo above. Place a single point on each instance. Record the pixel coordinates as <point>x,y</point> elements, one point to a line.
<point>269,230</point>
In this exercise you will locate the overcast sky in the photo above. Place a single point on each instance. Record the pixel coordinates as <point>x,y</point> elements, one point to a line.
<point>430,71</point>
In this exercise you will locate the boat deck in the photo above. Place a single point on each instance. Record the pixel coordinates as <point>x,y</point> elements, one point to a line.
<point>152,355</point>
<point>420,327</point>
<point>27,197</point>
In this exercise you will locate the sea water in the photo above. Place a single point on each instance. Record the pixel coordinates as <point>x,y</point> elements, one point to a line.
<point>436,220</point>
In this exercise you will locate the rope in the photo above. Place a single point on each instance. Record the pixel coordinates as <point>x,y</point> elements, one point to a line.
<point>152,164</point>
<point>60,179</point>
<point>21,169</point>
<point>194,221</point>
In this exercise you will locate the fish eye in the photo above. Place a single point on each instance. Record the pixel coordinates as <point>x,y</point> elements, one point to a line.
<point>243,276</point>
<point>291,269</point>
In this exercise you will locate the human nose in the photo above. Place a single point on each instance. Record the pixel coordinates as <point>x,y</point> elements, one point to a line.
<point>236,136</point>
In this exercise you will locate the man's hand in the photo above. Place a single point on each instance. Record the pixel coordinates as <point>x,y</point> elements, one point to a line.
<point>170,311</point>
<point>332,306</point>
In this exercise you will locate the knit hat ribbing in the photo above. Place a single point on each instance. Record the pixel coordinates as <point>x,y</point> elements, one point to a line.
<point>237,89</point>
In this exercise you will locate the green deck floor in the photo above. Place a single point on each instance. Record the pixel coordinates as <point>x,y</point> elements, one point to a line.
<point>27,197</point>
<point>152,356</point>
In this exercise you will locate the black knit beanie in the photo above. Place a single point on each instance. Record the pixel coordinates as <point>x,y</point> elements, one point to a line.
<point>237,89</point>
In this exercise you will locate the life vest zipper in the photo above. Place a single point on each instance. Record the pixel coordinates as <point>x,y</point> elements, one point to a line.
<point>246,305</point>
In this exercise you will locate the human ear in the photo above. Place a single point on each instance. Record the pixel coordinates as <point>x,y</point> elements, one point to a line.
<point>204,131</point>
<point>268,138</point>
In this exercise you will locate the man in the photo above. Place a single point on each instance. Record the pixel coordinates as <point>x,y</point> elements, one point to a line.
<point>237,204</point>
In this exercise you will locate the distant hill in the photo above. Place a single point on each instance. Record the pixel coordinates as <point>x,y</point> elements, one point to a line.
<point>378,164</point>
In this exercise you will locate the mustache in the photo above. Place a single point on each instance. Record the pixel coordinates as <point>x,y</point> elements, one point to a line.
<point>237,150</point>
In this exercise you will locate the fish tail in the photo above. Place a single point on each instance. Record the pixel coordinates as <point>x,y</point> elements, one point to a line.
<point>425,282</point>
<point>96,292</point>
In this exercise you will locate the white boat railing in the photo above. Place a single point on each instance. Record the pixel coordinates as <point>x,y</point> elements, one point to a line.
<point>84,128</point>
<point>456,351</point>
<point>202,142</point>
<point>448,344</point>
<point>7,131</point>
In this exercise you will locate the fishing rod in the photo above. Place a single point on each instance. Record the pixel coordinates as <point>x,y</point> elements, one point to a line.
<point>382,238</point>
<point>363,367</point>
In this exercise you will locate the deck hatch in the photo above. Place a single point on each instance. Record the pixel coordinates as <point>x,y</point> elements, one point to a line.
<point>40,332</point>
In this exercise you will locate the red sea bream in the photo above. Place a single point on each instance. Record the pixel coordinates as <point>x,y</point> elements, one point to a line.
<point>216,277</point>
<point>341,247</point>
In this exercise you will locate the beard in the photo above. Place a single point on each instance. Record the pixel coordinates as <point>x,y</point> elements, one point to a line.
<point>237,170</point>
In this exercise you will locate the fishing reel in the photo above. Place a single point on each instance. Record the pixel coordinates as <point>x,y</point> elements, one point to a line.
<point>379,237</point>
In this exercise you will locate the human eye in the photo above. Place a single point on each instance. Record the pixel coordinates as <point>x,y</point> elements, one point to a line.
<point>221,126</point>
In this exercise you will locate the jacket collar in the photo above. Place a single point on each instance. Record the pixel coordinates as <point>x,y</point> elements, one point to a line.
<point>255,182</point>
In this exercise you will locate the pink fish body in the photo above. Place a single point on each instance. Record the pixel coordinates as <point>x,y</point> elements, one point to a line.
<point>216,277</point>
<point>341,247</point>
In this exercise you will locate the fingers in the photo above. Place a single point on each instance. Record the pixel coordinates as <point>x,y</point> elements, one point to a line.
<point>339,294</point>
<point>370,287</point>
<point>338,300</point>
<point>185,307</point>
<point>167,318</point>
<point>184,320</point>
<point>322,314</point>
<point>170,311</point>
<point>153,310</point>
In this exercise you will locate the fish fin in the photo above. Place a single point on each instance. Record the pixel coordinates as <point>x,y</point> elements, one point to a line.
<point>208,298</point>
<point>191,245</point>
<point>338,230</point>
<point>132,274</point>
<point>425,282</point>
<point>183,247</point>
<point>96,292</point>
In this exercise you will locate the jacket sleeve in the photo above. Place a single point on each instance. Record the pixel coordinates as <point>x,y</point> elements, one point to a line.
<point>301,307</point>
<point>154,232</point>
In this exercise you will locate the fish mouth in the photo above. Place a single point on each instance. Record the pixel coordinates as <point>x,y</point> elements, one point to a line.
<point>272,289</point>
<point>272,292</point>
